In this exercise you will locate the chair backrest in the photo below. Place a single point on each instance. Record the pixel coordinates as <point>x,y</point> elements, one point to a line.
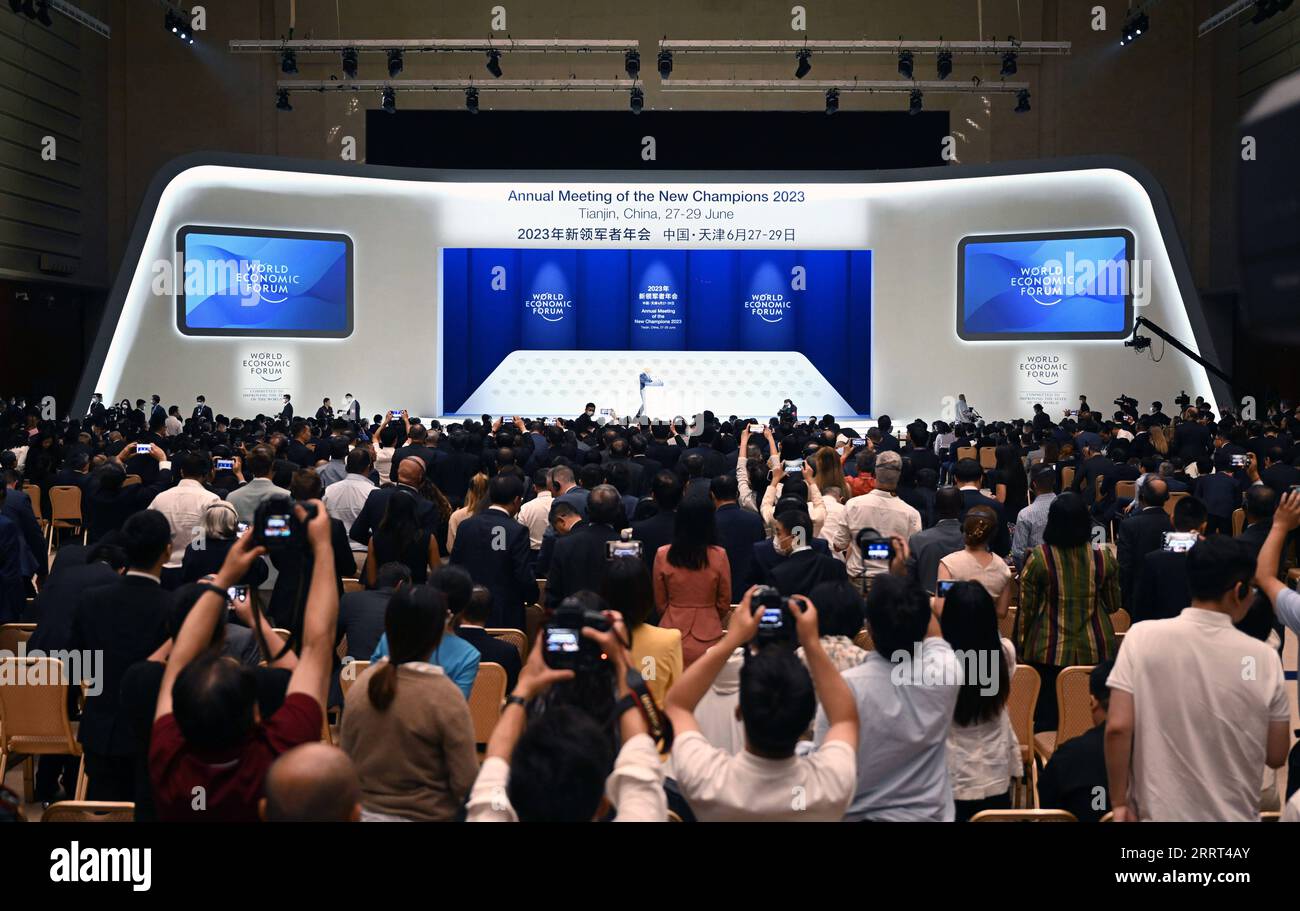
<point>1238,521</point>
<point>485,698</point>
<point>349,673</point>
<point>89,811</point>
<point>353,585</point>
<point>131,480</point>
<point>988,457</point>
<point>65,504</point>
<point>967,452</point>
<point>1119,640</point>
<point>36,713</point>
<point>1025,683</point>
<point>1270,816</point>
<point>1120,621</point>
<point>1007,624</point>
<point>1173,501</point>
<point>864,641</point>
<point>1073,707</point>
<point>33,492</point>
<point>515,637</point>
<point>534,617</point>
<point>13,633</point>
<point>1126,490</point>
<point>1067,478</point>
<point>1023,816</point>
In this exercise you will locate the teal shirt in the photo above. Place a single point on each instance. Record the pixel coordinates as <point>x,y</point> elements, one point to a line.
<point>457,658</point>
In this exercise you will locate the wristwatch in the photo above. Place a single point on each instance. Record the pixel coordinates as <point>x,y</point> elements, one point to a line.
<point>520,701</point>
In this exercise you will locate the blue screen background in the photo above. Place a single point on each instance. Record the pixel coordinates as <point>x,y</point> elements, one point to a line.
<point>594,300</point>
<point>317,302</point>
<point>992,305</point>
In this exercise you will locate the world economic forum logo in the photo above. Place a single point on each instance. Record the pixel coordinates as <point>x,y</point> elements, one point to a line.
<point>270,283</point>
<point>549,305</point>
<point>770,308</point>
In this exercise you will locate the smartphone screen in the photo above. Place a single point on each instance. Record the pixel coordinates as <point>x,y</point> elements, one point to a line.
<point>225,464</point>
<point>1179,542</point>
<point>277,527</point>
<point>880,550</point>
<point>143,448</point>
<point>793,466</point>
<point>560,639</point>
<point>945,586</point>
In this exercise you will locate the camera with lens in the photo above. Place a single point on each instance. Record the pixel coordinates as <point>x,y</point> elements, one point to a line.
<point>277,528</point>
<point>775,621</point>
<point>1184,400</point>
<point>564,645</point>
<point>1125,401</point>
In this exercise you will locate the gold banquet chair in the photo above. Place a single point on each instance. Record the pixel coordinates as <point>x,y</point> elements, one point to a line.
<point>1023,816</point>
<point>514,637</point>
<point>90,811</point>
<point>1074,715</point>
<point>34,717</point>
<point>485,699</point>
<point>1021,702</point>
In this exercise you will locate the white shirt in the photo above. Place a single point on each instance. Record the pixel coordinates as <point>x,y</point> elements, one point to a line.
<point>1198,745</point>
<point>183,506</point>
<point>173,426</point>
<point>985,756</point>
<point>888,515</point>
<point>721,787</point>
<point>343,500</point>
<point>836,528</point>
<point>536,514</point>
<point>635,787</point>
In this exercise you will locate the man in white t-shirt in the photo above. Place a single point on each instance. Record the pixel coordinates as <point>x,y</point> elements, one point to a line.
<point>766,781</point>
<point>1197,707</point>
<point>882,510</point>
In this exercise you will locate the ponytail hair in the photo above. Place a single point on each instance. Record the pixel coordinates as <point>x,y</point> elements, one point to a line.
<point>979,525</point>
<point>414,621</point>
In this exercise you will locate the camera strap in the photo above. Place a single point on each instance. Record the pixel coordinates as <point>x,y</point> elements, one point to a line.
<point>661,728</point>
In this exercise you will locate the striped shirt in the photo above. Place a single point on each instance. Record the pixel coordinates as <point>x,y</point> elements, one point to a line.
<point>1066,598</point>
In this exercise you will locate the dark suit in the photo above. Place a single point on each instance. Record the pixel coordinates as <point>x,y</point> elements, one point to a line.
<point>766,557</point>
<point>1001,543</point>
<point>800,572</point>
<point>202,413</point>
<point>453,474</point>
<point>286,413</point>
<point>499,560</point>
<point>1162,589</point>
<point>654,533</point>
<point>493,649</point>
<point>1085,479</point>
<point>56,607</point>
<point>361,619</point>
<point>648,469</point>
<point>738,530</point>
<point>196,564</point>
<point>300,455</point>
<point>294,564</point>
<point>578,562</point>
<point>1281,477</point>
<point>125,620</point>
<point>110,509</point>
<point>1139,535</point>
<point>430,458</point>
<point>1076,776</point>
<point>377,504</point>
<point>1221,496</point>
<point>664,454</point>
<point>18,509</point>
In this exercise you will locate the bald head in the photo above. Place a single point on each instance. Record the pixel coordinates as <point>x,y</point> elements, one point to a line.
<point>1155,492</point>
<point>410,471</point>
<point>314,782</point>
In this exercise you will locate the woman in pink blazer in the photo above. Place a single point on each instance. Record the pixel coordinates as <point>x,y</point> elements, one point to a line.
<point>693,580</point>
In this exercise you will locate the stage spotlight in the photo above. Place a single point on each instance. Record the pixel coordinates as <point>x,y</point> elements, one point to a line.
<point>282,100</point>
<point>288,62</point>
<point>471,100</point>
<point>171,21</point>
<point>494,63</point>
<point>944,65</point>
<point>1009,64</point>
<point>638,100</point>
<point>1135,27</point>
<point>1022,101</point>
<point>914,104</point>
<point>350,63</point>
<point>665,64</point>
<point>905,64</point>
<point>805,64</point>
<point>394,63</point>
<point>632,64</point>
<point>388,101</point>
<point>832,100</point>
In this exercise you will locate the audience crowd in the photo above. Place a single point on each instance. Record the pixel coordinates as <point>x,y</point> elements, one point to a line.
<point>732,620</point>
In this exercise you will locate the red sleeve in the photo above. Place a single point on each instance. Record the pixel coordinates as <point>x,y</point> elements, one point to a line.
<point>165,742</point>
<point>298,720</point>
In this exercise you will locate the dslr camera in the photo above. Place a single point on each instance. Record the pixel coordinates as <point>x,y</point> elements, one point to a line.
<point>775,621</point>
<point>1183,401</point>
<point>277,528</point>
<point>1125,401</point>
<point>564,645</point>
